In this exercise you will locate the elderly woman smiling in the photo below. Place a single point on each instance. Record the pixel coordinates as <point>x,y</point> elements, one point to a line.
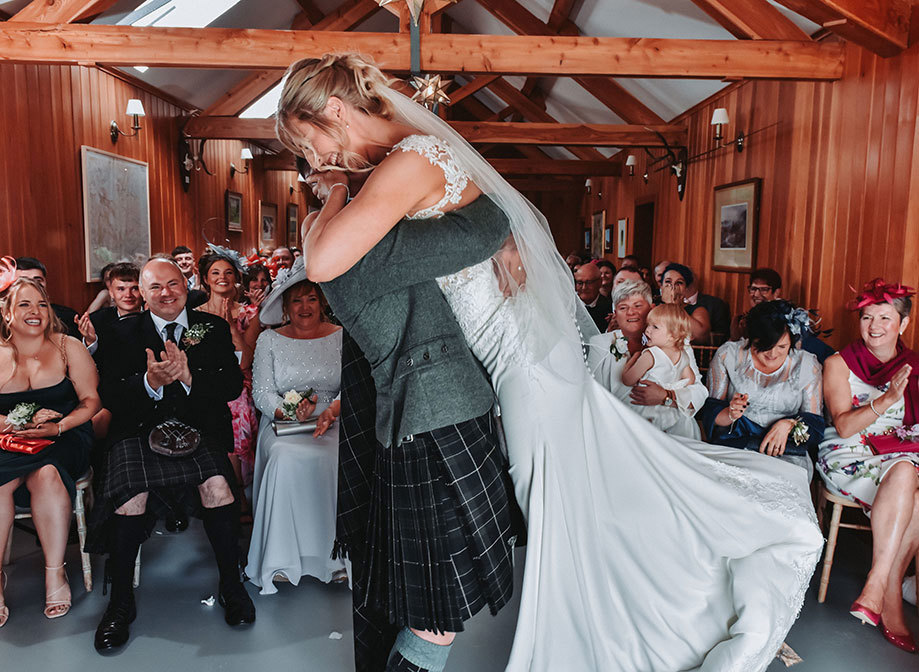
<point>609,353</point>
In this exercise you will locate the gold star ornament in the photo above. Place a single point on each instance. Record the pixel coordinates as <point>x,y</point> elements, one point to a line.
<point>432,90</point>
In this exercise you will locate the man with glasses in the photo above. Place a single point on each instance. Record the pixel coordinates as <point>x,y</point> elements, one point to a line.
<point>587,285</point>
<point>766,285</point>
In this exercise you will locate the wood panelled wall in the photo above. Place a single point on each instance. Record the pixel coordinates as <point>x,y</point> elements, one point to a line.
<point>840,196</point>
<point>48,112</point>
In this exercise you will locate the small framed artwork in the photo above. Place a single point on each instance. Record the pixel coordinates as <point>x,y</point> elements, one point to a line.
<point>234,207</point>
<point>597,224</point>
<point>293,220</point>
<point>587,239</point>
<point>607,239</point>
<point>622,231</point>
<point>268,222</point>
<point>735,222</point>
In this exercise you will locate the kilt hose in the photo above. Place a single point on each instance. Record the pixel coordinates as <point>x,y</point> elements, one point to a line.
<point>440,539</point>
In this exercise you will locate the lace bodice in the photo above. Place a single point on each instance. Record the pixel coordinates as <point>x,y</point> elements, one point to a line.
<point>283,364</point>
<point>797,386</point>
<point>439,153</point>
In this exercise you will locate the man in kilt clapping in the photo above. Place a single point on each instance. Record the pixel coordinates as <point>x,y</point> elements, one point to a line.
<point>167,376</point>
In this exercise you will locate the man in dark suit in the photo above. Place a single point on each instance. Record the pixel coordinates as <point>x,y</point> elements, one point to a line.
<point>30,267</point>
<point>168,364</point>
<point>124,287</point>
<point>587,285</point>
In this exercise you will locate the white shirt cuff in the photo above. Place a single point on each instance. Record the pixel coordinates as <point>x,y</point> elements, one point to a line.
<point>92,347</point>
<point>157,394</point>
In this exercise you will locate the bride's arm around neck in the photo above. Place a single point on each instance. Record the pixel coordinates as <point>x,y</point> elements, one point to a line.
<point>340,235</point>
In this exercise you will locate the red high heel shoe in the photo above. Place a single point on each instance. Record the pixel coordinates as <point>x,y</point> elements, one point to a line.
<point>904,642</point>
<point>864,614</point>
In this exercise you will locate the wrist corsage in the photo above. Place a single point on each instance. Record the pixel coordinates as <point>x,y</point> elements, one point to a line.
<point>22,414</point>
<point>292,399</point>
<point>619,347</point>
<point>799,433</point>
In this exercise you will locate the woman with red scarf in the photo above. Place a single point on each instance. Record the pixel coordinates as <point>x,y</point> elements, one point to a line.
<point>871,388</point>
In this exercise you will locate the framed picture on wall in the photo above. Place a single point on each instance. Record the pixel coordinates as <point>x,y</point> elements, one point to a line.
<point>116,210</point>
<point>735,223</point>
<point>597,224</point>
<point>622,232</point>
<point>293,221</point>
<point>587,239</point>
<point>607,239</point>
<point>234,210</point>
<point>268,222</point>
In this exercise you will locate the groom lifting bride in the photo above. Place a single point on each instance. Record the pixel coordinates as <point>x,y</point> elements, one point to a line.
<point>423,508</point>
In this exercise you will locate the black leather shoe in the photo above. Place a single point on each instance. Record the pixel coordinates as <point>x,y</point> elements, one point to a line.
<point>176,522</point>
<point>113,631</point>
<point>238,607</point>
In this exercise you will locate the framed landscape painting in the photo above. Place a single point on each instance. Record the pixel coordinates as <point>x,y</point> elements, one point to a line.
<point>234,210</point>
<point>268,222</point>
<point>735,222</point>
<point>597,224</point>
<point>293,221</point>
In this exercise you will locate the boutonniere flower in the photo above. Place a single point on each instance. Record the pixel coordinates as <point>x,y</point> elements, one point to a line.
<point>292,399</point>
<point>195,334</point>
<point>619,347</point>
<point>22,414</point>
<point>799,433</point>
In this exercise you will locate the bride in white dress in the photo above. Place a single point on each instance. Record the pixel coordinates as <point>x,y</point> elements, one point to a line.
<point>644,552</point>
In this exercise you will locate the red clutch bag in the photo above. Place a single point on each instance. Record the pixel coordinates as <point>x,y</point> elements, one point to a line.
<point>18,444</point>
<point>882,444</point>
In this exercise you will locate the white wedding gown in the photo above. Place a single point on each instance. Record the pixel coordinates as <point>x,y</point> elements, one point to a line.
<point>645,552</point>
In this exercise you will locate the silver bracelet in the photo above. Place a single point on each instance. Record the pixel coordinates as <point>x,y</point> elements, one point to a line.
<point>871,406</point>
<point>347,190</point>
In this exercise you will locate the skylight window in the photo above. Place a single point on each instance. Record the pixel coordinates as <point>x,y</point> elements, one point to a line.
<point>177,14</point>
<point>265,106</point>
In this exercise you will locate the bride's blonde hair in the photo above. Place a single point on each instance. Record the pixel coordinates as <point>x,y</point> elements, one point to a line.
<point>310,82</point>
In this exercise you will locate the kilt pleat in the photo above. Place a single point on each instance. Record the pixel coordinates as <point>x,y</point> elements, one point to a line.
<point>440,546</point>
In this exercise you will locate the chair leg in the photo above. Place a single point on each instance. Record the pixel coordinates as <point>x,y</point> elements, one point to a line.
<point>821,507</point>
<point>79,511</point>
<point>137,569</point>
<point>830,551</point>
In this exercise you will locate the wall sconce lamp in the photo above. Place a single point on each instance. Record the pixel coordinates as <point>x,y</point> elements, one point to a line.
<point>630,163</point>
<point>720,119</point>
<point>244,155</point>
<point>136,110</point>
<point>587,185</point>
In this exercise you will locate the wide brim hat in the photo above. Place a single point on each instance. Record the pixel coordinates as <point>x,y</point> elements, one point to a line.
<point>271,312</point>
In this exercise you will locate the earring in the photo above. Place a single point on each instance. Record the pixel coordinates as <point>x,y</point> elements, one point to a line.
<point>347,125</point>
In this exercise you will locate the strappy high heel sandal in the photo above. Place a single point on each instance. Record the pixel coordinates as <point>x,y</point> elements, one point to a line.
<point>4,610</point>
<point>57,608</point>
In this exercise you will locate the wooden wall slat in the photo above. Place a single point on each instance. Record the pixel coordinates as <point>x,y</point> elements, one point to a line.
<point>840,201</point>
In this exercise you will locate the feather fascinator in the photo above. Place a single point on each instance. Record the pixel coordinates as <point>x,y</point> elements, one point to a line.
<point>879,291</point>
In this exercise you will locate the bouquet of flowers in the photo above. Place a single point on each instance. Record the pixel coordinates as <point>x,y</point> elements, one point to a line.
<point>292,399</point>
<point>799,433</point>
<point>619,347</point>
<point>22,414</point>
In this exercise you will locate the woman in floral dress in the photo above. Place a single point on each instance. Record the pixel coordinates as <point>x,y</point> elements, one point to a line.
<point>871,388</point>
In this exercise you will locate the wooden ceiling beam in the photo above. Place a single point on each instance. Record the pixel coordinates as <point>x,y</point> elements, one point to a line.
<point>312,12</point>
<point>445,53</point>
<point>478,110</point>
<point>234,101</point>
<point>560,14</point>
<point>605,89</point>
<point>881,26</point>
<point>752,20</point>
<point>470,87</point>
<point>60,11</point>
<point>504,133</point>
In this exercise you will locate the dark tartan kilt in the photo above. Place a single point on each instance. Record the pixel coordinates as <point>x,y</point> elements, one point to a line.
<point>441,545</point>
<point>132,468</point>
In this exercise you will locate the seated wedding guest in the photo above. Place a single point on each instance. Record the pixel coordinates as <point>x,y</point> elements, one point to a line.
<point>30,267</point>
<point>608,354</point>
<point>185,258</point>
<point>587,285</point>
<point>167,377</point>
<point>766,285</point>
<point>871,390</point>
<point>295,490</point>
<point>47,391</point>
<point>283,257</point>
<point>220,273</point>
<point>573,260</point>
<point>676,280</point>
<point>659,272</point>
<point>296,252</point>
<point>103,298</point>
<point>665,361</point>
<point>607,271</point>
<point>627,274</point>
<point>124,288</point>
<point>645,273</point>
<point>630,261</point>
<point>765,393</point>
<point>718,312</point>
<point>256,284</point>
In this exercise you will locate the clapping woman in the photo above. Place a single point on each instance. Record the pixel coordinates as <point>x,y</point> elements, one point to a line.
<point>295,485</point>
<point>48,390</point>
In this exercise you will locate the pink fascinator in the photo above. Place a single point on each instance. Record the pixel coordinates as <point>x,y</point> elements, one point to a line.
<point>7,272</point>
<point>878,291</point>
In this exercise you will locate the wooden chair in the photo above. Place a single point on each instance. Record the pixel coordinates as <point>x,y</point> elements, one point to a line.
<point>84,492</point>
<point>824,496</point>
<point>704,355</point>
